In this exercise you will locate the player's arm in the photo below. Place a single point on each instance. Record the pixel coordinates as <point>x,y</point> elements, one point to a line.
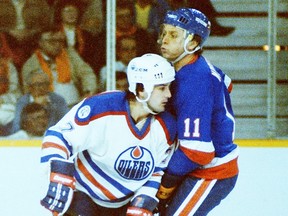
<point>58,165</point>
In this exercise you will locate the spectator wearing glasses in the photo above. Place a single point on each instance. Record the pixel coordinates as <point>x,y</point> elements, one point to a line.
<point>69,75</point>
<point>38,92</point>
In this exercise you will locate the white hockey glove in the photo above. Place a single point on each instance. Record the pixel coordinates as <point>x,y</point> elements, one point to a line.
<point>61,187</point>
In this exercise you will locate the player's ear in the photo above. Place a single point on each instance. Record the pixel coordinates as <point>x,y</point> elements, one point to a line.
<point>142,94</point>
<point>192,44</point>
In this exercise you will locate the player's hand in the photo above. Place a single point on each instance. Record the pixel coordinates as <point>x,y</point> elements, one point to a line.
<point>161,207</point>
<point>135,211</point>
<point>61,187</point>
<point>141,205</point>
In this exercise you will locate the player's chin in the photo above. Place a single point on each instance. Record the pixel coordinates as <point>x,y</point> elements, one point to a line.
<point>167,56</point>
<point>164,53</point>
<point>161,108</point>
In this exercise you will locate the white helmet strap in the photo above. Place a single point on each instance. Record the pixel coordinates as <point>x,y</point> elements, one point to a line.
<point>145,105</point>
<point>186,51</point>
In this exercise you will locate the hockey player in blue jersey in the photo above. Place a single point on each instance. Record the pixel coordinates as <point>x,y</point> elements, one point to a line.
<point>120,141</point>
<point>203,170</point>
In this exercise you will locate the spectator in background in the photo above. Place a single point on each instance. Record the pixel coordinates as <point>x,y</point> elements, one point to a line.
<point>125,26</point>
<point>39,92</point>
<point>33,123</point>
<point>93,17</point>
<point>21,20</point>
<point>125,51</point>
<point>9,94</point>
<point>69,75</point>
<point>147,16</point>
<point>121,81</point>
<point>68,14</point>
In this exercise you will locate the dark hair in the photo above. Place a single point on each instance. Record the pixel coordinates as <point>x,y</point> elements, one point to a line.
<point>60,4</point>
<point>198,39</point>
<point>139,88</point>
<point>121,75</point>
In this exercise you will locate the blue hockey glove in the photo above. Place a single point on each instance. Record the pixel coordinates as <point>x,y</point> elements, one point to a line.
<point>61,187</point>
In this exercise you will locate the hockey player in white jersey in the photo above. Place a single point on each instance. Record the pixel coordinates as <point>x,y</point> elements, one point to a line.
<point>122,142</point>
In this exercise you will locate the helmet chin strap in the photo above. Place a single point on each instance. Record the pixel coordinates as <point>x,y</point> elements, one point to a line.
<point>186,51</point>
<point>145,104</point>
<point>147,108</point>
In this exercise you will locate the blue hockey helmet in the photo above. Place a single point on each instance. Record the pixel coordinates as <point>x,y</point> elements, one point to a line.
<point>191,20</point>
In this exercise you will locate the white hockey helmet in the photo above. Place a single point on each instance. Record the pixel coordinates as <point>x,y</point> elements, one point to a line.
<point>150,70</point>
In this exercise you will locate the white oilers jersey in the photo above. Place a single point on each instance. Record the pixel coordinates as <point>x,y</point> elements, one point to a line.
<point>115,160</point>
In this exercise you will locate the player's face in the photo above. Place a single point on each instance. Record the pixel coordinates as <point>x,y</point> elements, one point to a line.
<point>172,42</point>
<point>159,97</point>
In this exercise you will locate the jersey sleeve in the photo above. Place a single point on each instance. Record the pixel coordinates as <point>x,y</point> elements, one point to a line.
<point>74,128</point>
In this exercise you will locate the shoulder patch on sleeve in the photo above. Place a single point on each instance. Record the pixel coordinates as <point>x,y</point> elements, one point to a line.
<point>84,112</point>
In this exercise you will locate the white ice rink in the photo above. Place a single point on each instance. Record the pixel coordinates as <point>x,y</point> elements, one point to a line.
<point>262,188</point>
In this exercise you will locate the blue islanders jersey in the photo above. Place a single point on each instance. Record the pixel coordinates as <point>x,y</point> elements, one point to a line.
<point>116,158</point>
<point>205,122</point>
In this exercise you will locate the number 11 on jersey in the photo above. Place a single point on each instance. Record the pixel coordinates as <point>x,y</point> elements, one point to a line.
<point>196,128</point>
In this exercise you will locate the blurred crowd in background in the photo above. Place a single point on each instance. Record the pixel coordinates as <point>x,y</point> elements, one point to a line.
<point>53,54</point>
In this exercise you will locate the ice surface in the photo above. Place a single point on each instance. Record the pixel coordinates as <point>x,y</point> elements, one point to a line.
<point>261,190</point>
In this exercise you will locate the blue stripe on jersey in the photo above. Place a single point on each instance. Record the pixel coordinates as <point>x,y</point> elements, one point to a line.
<point>97,169</point>
<point>152,184</point>
<point>60,136</point>
<point>91,192</point>
<point>159,169</point>
<point>48,157</point>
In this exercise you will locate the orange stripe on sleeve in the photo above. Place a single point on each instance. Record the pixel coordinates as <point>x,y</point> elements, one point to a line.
<point>199,157</point>
<point>226,170</point>
<point>57,146</point>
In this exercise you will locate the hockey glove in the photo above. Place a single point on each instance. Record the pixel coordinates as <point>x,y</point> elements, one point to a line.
<point>142,205</point>
<point>61,187</point>
<point>168,185</point>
